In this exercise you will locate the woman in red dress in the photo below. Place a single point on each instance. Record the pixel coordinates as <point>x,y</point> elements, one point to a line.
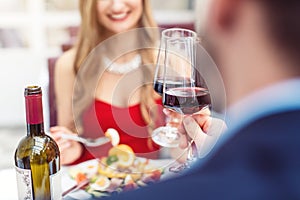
<point>99,85</point>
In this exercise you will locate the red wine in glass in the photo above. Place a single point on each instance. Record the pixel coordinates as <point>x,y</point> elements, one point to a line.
<point>174,83</point>
<point>158,86</point>
<point>186,100</point>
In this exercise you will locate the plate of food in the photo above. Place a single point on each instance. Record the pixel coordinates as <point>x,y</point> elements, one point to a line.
<point>121,170</point>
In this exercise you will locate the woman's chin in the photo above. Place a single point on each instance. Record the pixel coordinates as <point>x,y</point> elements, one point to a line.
<point>120,29</point>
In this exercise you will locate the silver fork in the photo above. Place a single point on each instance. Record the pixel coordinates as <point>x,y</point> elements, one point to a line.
<point>92,142</point>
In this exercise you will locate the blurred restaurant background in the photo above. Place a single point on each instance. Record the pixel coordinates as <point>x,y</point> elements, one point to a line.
<point>32,32</point>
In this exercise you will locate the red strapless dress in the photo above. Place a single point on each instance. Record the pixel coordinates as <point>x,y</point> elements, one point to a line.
<point>127,121</point>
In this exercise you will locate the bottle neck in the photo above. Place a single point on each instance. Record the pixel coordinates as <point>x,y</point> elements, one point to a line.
<point>34,115</point>
<point>35,129</point>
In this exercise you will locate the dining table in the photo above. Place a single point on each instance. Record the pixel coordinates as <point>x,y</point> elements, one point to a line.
<point>9,190</point>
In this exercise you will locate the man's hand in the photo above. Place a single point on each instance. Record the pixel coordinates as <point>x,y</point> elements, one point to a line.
<point>203,129</point>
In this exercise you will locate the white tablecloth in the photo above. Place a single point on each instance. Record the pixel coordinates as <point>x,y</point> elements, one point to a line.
<point>8,184</point>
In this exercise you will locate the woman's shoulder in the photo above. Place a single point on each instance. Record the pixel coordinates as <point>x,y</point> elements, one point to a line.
<point>66,61</point>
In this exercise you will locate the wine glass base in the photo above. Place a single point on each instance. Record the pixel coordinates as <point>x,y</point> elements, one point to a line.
<point>166,136</point>
<point>191,158</point>
<point>179,168</point>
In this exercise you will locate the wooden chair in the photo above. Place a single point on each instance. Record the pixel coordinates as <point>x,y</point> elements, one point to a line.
<point>51,92</point>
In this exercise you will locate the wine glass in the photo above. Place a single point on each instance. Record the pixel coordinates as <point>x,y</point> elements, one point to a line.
<point>184,90</point>
<point>167,135</point>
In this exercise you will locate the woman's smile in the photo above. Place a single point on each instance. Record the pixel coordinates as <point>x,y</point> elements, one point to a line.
<point>119,16</point>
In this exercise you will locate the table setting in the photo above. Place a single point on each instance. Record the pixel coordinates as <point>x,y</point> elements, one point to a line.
<point>72,190</point>
<point>121,170</point>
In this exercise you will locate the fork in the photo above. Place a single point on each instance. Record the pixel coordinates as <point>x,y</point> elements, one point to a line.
<point>91,142</point>
<point>76,187</point>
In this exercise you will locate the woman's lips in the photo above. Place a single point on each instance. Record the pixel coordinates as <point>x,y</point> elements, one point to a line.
<point>119,17</point>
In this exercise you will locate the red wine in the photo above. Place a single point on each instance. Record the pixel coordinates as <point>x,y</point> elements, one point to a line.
<point>178,82</point>
<point>186,100</point>
<point>158,86</point>
<point>37,157</point>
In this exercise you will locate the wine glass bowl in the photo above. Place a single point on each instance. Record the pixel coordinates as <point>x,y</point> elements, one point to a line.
<point>186,100</point>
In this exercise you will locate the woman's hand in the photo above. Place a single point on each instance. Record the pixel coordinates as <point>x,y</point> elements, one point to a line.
<point>69,150</point>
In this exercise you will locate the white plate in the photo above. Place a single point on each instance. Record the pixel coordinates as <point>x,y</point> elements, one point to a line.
<point>67,181</point>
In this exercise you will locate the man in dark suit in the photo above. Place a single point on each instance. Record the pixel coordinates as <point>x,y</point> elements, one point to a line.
<point>255,44</point>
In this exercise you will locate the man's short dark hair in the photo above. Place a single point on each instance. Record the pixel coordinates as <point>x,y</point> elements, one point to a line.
<point>283,17</point>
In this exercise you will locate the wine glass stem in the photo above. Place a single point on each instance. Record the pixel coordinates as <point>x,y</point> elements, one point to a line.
<point>191,157</point>
<point>192,153</point>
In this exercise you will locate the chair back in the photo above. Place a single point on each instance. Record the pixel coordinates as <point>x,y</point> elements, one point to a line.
<point>51,92</point>
<point>189,26</point>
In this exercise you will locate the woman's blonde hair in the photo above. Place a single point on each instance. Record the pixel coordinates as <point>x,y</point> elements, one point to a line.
<point>91,31</point>
<point>90,35</point>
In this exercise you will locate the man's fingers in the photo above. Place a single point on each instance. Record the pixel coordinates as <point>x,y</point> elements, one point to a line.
<point>203,120</point>
<point>183,141</point>
<point>194,131</point>
<point>205,111</point>
<point>204,130</point>
<point>216,128</point>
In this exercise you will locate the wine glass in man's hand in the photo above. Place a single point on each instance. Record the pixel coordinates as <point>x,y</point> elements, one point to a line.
<point>178,79</point>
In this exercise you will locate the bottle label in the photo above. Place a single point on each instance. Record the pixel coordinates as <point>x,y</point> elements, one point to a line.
<point>55,186</point>
<point>24,183</point>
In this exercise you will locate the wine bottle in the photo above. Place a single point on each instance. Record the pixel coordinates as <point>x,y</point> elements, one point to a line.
<point>37,157</point>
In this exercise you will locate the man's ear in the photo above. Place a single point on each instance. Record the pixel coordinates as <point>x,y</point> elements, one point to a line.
<point>224,14</point>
